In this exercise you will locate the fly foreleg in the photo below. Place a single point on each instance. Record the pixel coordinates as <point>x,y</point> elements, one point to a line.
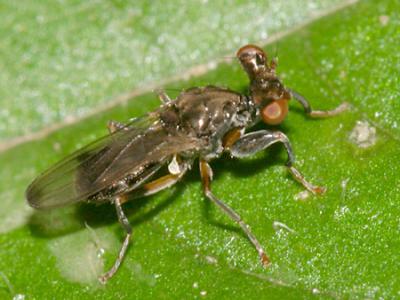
<point>318,113</point>
<point>114,126</point>
<point>163,96</point>
<point>125,224</point>
<point>256,141</point>
<point>206,177</point>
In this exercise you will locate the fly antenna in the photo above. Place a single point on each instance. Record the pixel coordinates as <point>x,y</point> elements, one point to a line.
<point>274,59</point>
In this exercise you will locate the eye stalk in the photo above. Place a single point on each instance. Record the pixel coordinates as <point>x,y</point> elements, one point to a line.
<point>253,60</point>
<point>266,90</point>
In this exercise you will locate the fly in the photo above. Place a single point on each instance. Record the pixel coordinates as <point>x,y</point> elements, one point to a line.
<point>153,152</point>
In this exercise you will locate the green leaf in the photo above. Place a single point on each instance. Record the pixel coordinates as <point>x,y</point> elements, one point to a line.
<point>343,244</point>
<point>65,59</point>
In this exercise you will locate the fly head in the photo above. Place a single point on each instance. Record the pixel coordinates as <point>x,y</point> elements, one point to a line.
<point>266,90</point>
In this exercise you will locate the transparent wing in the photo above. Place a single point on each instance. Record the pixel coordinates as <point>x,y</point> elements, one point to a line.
<point>95,167</point>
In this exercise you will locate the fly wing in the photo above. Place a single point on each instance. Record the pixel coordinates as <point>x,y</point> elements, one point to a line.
<point>135,155</point>
<point>95,167</point>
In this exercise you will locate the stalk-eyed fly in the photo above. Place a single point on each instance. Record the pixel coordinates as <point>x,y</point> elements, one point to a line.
<point>202,122</point>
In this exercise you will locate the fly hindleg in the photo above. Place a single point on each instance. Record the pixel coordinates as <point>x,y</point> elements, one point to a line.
<point>125,224</point>
<point>256,141</point>
<point>318,113</point>
<point>145,190</point>
<point>159,184</point>
<point>206,177</point>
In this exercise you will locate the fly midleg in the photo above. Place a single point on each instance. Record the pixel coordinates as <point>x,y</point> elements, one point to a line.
<point>125,224</point>
<point>318,113</point>
<point>163,96</point>
<point>256,141</point>
<point>206,177</point>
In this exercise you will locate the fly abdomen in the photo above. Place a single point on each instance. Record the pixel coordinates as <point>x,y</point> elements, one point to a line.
<point>127,184</point>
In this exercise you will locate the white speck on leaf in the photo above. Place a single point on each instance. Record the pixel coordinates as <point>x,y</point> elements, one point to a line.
<point>230,241</point>
<point>315,291</point>
<point>279,226</point>
<point>344,187</point>
<point>211,260</point>
<point>363,134</point>
<point>341,212</point>
<point>303,195</point>
<point>384,20</point>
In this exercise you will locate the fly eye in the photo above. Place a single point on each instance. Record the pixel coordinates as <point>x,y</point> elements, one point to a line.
<point>249,52</point>
<point>252,59</point>
<point>274,112</point>
<point>260,59</point>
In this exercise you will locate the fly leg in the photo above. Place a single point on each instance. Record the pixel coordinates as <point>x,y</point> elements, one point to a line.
<point>147,189</point>
<point>256,141</point>
<point>163,96</point>
<point>114,126</point>
<point>318,113</point>
<point>206,177</point>
<point>159,184</point>
<point>125,224</point>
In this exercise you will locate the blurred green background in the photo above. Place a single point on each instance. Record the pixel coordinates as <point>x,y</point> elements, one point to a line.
<point>69,66</point>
